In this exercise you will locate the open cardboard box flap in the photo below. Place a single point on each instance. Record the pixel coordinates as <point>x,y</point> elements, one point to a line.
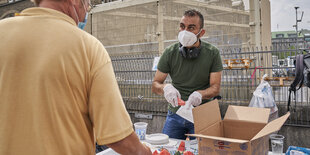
<point>240,125</point>
<point>272,126</point>
<point>208,114</point>
<point>219,138</point>
<point>205,115</point>
<point>248,114</point>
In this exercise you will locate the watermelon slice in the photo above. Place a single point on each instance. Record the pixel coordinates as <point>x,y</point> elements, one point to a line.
<point>164,152</point>
<point>188,153</point>
<point>181,146</point>
<point>181,102</point>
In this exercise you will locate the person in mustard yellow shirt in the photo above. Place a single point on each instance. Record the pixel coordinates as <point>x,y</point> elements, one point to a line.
<point>58,92</point>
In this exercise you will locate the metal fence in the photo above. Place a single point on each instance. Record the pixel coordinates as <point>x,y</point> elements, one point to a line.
<point>146,21</point>
<point>243,69</point>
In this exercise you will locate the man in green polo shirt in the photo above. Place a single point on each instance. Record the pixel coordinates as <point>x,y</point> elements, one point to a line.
<point>195,68</point>
<point>58,90</point>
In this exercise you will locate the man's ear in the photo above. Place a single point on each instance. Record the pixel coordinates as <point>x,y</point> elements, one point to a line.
<point>203,31</point>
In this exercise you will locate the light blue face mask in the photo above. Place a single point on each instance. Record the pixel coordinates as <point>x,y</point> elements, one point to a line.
<point>81,25</point>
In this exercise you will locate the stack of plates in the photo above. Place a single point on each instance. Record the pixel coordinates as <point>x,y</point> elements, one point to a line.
<point>157,139</point>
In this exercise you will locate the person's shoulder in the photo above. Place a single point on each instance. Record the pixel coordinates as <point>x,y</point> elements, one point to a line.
<point>87,37</point>
<point>171,48</point>
<point>93,46</point>
<point>8,21</point>
<point>209,47</point>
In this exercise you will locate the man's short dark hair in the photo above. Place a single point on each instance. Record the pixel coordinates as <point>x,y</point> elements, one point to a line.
<point>192,13</point>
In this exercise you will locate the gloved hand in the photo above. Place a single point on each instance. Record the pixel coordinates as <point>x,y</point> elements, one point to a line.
<point>171,94</point>
<point>188,106</point>
<point>194,99</point>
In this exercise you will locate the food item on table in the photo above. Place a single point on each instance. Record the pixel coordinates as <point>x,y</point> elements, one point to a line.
<point>164,152</point>
<point>181,146</point>
<point>188,153</point>
<point>181,151</point>
<point>155,152</point>
<point>184,153</point>
<point>181,102</point>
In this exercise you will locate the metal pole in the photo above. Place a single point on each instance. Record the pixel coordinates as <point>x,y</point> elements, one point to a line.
<point>160,32</point>
<point>296,26</point>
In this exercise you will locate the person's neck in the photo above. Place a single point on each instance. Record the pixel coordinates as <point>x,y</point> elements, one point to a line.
<point>60,6</point>
<point>56,6</point>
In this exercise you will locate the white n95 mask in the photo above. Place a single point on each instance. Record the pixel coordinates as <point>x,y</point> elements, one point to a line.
<point>187,38</point>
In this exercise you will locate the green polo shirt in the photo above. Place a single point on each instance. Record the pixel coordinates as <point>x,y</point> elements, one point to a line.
<point>189,75</point>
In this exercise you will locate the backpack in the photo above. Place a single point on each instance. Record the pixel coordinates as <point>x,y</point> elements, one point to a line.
<point>302,76</point>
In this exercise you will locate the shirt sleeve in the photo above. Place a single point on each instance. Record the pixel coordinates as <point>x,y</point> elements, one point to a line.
<point>217,65</point>
<point>163,64</point>
<point>110,119</point>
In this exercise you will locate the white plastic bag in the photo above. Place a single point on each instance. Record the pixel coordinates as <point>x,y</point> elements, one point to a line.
<point>263,98</point>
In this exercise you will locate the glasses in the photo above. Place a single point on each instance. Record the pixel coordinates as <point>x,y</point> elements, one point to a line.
<point>90,6</point>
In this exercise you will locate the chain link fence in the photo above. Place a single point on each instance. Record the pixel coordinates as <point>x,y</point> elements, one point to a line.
<point>121,25</point>
<point>243,70</point>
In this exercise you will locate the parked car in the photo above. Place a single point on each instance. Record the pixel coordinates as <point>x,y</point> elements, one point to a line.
<point>283,67</point>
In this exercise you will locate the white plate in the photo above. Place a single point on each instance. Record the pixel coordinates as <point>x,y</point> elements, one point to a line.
<point>157,138</point>
<point>171,144</point>
<point>110,151</point>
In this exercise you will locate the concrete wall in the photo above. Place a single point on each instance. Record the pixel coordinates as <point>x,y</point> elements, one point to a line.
<point>3,1</point>
<point>260,23</point>
<point>295,136</point>
<point>266,23</point>
<point>15,7</point>
<point>139,23</point>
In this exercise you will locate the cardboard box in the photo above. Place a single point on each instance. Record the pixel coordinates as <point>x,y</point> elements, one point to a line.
<point>243,131</point>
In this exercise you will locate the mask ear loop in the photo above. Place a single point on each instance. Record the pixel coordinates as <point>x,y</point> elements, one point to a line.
<point>84,6</point>
<point>76,12</point>
<point>197,35</point>
<point>198,32</point>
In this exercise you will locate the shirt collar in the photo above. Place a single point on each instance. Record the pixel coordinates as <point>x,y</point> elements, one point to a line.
<point>40,11</point>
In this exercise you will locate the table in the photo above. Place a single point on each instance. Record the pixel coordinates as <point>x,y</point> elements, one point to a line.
<point>172,146</point>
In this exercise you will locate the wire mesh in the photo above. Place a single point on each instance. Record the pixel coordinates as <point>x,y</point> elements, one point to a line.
<point>135,75</point>
<point>134,32</point>
<point>124,24</point>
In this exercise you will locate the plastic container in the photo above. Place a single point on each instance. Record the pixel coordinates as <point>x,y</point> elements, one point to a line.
<point>277,144</point>
<point>294,150</point>
<point>140,128</point>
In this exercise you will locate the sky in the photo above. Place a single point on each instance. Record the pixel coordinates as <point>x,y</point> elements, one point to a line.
<point>283,14</point>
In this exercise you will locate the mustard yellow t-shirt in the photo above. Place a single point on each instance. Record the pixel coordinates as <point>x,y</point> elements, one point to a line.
<point>58,93</point>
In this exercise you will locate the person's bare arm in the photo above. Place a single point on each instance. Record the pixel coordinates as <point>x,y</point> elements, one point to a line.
<point>158,82</point>
<point>130,146</point>
<point>215,84</point>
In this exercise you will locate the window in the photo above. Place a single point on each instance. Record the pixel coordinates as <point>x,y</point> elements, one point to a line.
<point>307,37</point>
<point>292,35</point>
<point>279,35</point>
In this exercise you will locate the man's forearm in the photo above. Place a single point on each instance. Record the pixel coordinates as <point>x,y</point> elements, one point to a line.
<point>210,92</point>
<point>157,88</point>
<point>130,146</point>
